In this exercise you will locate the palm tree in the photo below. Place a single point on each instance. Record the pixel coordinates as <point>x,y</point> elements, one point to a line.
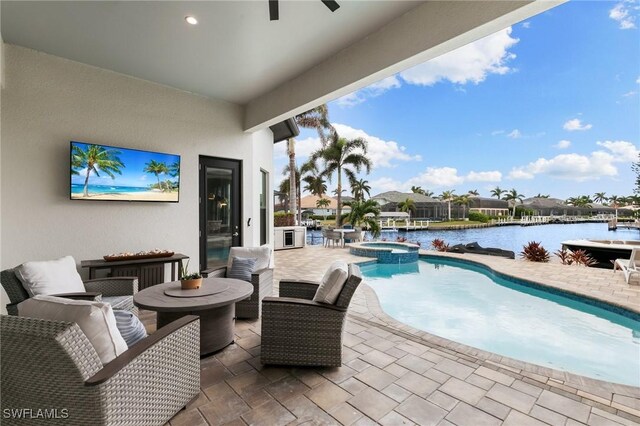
<point>323,203</point>
<point>341,155</point>
<point>283,193</point>
<point>157,169</point>
<point>428,193</point>
<point>473,192</point>
<point>580,201</point>
<point>497,192</point>
<point>364,212</point>
<point>318,119</point>
<point>539,195</point>
<point>448,196</point>
<point>614,201</point>
<point>600,197</point>
<point>174,169</point>
<point>417,190</point>
<point>513,195</point>
<point>462,200</point>
<point>359,188</point>
<point>293,202</point>
<point>315,185</point>
<point>407,206</point>
<point>96,159</point>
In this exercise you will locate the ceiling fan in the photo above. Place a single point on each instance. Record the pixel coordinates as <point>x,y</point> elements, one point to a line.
<point>274,13</point>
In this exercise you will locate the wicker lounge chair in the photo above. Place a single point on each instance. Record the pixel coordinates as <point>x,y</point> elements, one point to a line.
<point>298,331</point>
<point>262,281</point>
<point>52,365</point>
<point>118,292</point>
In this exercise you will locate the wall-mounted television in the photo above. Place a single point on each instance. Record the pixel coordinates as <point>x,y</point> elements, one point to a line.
<point>107,173</point>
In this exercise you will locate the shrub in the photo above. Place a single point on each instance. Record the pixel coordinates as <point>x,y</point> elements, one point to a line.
<point>577,257</point>
<point>283,219</point>
<point>534,252</point>
<point>439,245</point>
<point>565,256</point>
<point>479,217</point>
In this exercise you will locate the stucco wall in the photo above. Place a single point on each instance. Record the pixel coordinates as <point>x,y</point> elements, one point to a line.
<point>48,101</point>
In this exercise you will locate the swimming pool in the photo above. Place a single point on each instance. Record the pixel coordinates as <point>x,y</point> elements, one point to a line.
<point>470,305</point>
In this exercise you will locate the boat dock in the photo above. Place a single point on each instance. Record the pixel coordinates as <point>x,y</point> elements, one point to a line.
<point>615,225</point>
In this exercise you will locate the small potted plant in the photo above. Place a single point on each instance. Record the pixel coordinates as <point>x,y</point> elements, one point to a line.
<point>189,281</point>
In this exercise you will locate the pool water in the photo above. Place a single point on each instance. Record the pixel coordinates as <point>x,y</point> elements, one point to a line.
<point>468,304</point>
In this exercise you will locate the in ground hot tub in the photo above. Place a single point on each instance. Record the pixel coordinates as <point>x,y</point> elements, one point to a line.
<point>387,252</point>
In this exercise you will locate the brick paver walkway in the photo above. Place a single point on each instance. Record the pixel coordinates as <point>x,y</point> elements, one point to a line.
<point>395,375</point>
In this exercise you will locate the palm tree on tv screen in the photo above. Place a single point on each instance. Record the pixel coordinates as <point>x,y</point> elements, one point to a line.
<point>157,169</point>
<point>96,159</point>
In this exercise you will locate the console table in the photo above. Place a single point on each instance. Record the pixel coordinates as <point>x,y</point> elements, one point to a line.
<point>149,271</point>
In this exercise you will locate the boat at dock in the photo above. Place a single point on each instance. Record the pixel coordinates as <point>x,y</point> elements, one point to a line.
<point>603,251</point>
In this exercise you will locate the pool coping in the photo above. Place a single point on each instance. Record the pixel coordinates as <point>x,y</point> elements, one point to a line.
<point>592,387</point>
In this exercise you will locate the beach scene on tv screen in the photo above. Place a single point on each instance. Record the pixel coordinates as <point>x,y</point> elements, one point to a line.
<point>100,172</point>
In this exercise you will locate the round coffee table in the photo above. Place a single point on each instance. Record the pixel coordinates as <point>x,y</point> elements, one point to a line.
<point>214,302</point>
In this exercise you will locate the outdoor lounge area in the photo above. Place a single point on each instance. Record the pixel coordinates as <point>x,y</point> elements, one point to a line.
<point>393,374</point>
<point>140,285</point>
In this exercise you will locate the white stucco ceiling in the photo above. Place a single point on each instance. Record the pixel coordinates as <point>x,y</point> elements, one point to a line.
<point>234,53</point>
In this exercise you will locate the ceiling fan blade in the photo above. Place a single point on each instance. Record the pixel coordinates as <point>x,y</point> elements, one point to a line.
<point>331,4</point>
<point>274,13</point>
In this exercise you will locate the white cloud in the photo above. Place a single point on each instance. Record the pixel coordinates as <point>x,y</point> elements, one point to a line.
<point>371,91</point>
<point>629,94</point>
<point>526,24</point>
<point>638,80</point>
<point>621,150</point>
<point>497,132</point>
<point>381,153</point>
<point>490,176</point>
<point>303,147</point>
<point>437,177</point>
<point>624,13</point>
<point>563,144</point>
<point>353,98</point>
<point>386,184</point>
<point>576,124</point>
<point>470,63</point>
<point>569,166</point>
<point>515,134</point>
<point>579,167</point>
<point>519,173</point>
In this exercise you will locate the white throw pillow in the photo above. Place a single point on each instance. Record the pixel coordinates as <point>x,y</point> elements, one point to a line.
<point>262,255</point>
<point>332,283</point>
<point>50,277</point>
<point>96,320</point>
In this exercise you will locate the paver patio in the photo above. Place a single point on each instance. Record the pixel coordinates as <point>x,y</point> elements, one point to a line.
<point>393,374</point>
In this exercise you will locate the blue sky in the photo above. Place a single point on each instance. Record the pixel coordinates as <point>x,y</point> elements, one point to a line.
<point>548,106</point>
<point>132,173</point>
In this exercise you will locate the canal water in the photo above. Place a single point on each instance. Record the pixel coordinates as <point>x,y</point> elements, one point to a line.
<point>505,237</point>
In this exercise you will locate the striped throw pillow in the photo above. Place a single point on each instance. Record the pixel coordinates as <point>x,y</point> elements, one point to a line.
<point>130,327</point>
<point>241,268</point>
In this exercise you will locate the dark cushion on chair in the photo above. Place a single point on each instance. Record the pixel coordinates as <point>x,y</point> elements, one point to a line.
<point>241,268</point>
